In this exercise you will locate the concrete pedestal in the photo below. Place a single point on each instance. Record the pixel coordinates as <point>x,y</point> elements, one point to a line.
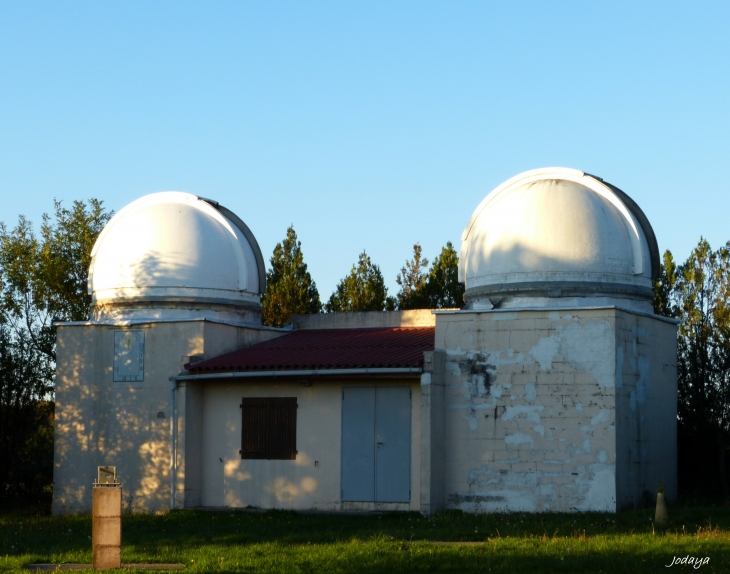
<point>106,527</point>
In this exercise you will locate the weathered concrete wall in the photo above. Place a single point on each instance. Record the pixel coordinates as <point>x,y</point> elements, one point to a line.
<point>370,319</point>
<point>228,481</point>
<point>646,407</point>
<point>529,410</point>
<point>433,445</point>
<point>521,410</point>
<point>102,422</point>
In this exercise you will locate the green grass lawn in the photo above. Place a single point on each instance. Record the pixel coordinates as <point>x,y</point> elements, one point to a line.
<point>281,541</point>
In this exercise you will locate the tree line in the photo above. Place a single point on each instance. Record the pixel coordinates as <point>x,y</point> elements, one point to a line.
<point>43,279</point>
<point>697,294</point>
<point>290,289</point>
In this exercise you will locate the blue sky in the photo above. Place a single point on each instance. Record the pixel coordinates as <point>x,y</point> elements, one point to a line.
<point>367,125</point>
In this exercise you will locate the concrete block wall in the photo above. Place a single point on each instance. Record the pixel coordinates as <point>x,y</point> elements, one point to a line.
<point>646,406</point>
<point>126,424</point>
<point>530,409</point>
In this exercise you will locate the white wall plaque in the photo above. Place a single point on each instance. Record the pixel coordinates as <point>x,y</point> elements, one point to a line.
<point>128,356</point>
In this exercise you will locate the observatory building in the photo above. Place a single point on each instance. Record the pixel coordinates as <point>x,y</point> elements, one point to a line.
<point>554,388</point>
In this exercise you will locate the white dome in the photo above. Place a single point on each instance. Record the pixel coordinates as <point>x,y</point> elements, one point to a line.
<point>176,247</point>
<point>557,232</point>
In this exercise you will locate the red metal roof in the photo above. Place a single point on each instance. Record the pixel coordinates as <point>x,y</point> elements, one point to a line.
<point>329,349</point>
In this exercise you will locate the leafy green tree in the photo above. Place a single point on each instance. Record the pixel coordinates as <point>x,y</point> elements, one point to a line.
<point>412,281</point>
<point>699,299</point>
<point>26,420</point>
<point>289,287</point>
<point>65,257</point>
<point>695,309</point>
<point>362,290</point>
<point>697,294</point>
<point>43,279</point>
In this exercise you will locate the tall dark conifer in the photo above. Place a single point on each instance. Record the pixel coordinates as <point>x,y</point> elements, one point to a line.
<point>363,289</point>
<point>437,288</point>
<point>442,285</point>
<point>289,286</point>
<point>412,280</point>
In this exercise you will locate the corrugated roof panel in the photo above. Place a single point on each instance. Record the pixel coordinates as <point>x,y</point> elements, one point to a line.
<point>329,349</point>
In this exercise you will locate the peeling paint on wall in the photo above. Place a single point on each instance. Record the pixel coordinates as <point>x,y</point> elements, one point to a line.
<point>532,402</point>
<point>642,384</point>
<point>603,417</point>
<point>530,412</point>
<point>545,351</point>
<point>518,438</point>
<point>590,344</point>
<point>530,392</point>
<point>619,367</point>
<point>537,397</point>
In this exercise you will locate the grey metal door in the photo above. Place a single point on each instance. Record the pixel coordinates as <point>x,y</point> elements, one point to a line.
<point>376,444</point>
<point>358,444</point>
<point>393,444</point>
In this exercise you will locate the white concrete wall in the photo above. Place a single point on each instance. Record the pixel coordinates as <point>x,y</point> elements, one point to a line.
<point>228,481</point>
<point>102,422</point>
<point>529,410</point>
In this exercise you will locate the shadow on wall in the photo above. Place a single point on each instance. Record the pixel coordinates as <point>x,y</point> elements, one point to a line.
<point>106,423</point>
<point>287,491</point>
<point>102,422</point>
<point>166,271</point>
<point>158,270</point>
<point>73,431</point>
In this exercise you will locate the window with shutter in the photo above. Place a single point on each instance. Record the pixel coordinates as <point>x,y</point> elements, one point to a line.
<point>269,428</point>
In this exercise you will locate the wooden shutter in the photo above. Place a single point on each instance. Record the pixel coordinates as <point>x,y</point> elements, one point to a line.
<point>253,428</point>
<point>269,428</point>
